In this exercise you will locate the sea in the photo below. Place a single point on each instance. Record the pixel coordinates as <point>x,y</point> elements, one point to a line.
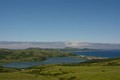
<point>101,53</point>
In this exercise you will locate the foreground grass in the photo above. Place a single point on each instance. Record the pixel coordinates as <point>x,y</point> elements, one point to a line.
<point>57,72</point>
<point>93,70</point>
<point>22,76</point>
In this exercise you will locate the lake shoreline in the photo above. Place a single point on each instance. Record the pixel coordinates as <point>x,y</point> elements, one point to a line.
<point>53,60</point>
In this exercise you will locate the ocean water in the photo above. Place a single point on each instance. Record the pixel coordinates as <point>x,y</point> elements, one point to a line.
<point>103,53</point>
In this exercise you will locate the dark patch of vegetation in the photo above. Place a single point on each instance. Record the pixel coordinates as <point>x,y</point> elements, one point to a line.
<point>41,72</point>
<point>72,78</point>
<point>103,70</point>
<point>3,70</point>
<point>61,78</point>
<point>60,69</point>
<point>1,66</point>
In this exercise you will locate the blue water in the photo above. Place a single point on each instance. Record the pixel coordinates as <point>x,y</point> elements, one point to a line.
<point>55,60</point>
<point>105,53</point>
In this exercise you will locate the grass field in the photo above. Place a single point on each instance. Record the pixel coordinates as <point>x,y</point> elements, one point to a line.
<point>93,70</point>
<point>57,72</point>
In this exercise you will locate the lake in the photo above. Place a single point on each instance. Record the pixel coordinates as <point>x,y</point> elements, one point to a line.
<point>54,60</point>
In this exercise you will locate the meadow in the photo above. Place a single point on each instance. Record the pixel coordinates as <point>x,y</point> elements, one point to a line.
<point>96,70</point>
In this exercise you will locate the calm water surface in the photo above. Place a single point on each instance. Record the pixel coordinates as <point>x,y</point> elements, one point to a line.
<point>104,53</point>
<point>58,60</point>
<point>55,60</point>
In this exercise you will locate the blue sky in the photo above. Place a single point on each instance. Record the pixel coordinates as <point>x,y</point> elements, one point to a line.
<point>60,20</point>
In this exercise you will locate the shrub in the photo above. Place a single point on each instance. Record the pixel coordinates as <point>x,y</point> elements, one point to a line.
<point>72,78</point>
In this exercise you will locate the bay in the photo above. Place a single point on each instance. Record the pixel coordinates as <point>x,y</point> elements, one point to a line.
<point>54,60</point>
<point>102,53</point>
<point>59,60</point>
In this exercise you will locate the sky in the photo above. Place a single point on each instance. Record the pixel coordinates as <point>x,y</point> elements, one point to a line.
<point>60,20</point>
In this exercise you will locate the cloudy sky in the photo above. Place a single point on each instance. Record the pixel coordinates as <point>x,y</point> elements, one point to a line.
<point>60,20</point>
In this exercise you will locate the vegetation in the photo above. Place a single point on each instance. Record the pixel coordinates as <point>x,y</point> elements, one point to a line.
<point>106,69</point>
<point>30,54</point>
<point>5,70</point>
<point>92,70</point>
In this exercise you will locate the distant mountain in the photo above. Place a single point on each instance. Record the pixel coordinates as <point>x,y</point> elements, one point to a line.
<point>72,44</point>
<point>24,45</point>
<point>75,44</point>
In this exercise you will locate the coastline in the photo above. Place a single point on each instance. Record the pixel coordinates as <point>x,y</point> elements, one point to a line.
<point>91,57</point>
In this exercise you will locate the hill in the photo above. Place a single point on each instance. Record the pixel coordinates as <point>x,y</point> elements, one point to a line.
<point>30,54</point>
<point>82,71</point>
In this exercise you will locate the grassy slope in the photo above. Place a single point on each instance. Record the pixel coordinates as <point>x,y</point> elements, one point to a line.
<point>68,73</point>
<point>61,72</point>
<point>31,54</point>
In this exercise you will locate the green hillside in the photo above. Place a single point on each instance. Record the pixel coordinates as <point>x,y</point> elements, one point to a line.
<point>31,54</point>
<point>93,70</point>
